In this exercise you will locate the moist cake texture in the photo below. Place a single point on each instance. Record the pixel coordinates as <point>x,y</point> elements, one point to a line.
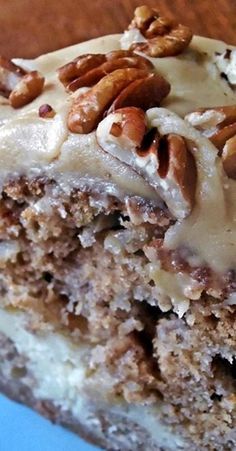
<point>117,237</point>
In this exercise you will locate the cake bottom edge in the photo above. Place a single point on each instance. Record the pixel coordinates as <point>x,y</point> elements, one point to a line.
<point>104,425</point>
<point>109,427</point>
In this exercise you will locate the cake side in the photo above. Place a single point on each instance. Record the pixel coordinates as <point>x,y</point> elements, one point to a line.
<point>134,352</point>
<point>117,238</point>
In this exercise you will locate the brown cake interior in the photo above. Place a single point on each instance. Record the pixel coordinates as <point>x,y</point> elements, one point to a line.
<point>95,285</point>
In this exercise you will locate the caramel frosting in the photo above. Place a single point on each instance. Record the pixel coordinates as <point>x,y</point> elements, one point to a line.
<point>30,144</point>
<point>210,231</point>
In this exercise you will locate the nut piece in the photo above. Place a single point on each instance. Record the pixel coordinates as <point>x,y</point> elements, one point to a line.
<point>79,66</point>
<point>222,135</point>
<point>229,157</point>
<point>144,93</point>
<point>46,111</point>
<point>164,37</point>
<point>94,75</point>
<point>129,125</point>
<point>19,86</point>
<point>219,125</point>
<point>179,170</point>
<point>10,75</point>
<point>87,70</point>
<point>88,109</point>
<point>28,88</point>
<point>116,80</point>
<point>165,162</point>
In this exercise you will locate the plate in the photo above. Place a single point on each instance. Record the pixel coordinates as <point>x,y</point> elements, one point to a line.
<point>21,429</point>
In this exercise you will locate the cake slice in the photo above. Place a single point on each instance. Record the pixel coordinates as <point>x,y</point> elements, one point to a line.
<point>117,251</point>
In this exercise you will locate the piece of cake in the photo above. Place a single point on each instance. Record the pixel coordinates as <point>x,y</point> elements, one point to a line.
<point>118,233</point>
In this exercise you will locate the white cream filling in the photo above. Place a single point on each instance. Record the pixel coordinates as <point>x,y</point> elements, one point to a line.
<point>59,370</point>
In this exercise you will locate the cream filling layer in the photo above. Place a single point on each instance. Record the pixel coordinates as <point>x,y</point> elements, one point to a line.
<point>59,369</point>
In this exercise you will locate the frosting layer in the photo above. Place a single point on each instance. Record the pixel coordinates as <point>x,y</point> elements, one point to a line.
<point>33,145</point>
<point>28,141</point>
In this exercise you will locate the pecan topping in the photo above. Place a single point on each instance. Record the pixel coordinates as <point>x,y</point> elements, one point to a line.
<point>122,87</point>
<point>116,80</point>
<point>78,67</point>
<point>222,135</point>
<point>144,93</point>
<point>87,70</point>
<point>10,75</point>
<point>166,162</point>
<point>229,157</point>
<point>19,86</point>
<point>164,37</point>
<point>219,125</point>
<point>28,88</point>
<point>87,110</point>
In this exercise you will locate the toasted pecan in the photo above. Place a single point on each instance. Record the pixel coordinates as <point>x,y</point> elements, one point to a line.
<point>143,93</point>
<point>166,162</point>
<point>79,66</point>
<point>29,87</point>
<point>229,157</point>
<point>85,63</point>
<point>87,109</point>
<point>219,125</point>
<point>132,126</point>
<point>94,75</point>
<point>19,86</point>
<point>164,37</point>
<point>222,135</point>
<point>10,75</point>
<point>119,78</point>
<point>181,167</point>
<point>88,69</point>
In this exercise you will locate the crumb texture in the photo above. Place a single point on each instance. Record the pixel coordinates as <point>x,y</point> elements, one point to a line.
<point>81,264</point>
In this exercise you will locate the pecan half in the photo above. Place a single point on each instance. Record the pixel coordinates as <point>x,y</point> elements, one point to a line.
<point>164,37</point>
<point>94,75</point>
<point>10,75</point>
<point>124,79</point>
<point>222,135</point>
<point>229,157</point>
<point>19,86</point>
<point>78,67</point>
<point>164,161</point>
<point>219,125</point>
<point>88,109</point>
<point>144,93</point>
<point>87,70</point>
<point>28,88</point>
